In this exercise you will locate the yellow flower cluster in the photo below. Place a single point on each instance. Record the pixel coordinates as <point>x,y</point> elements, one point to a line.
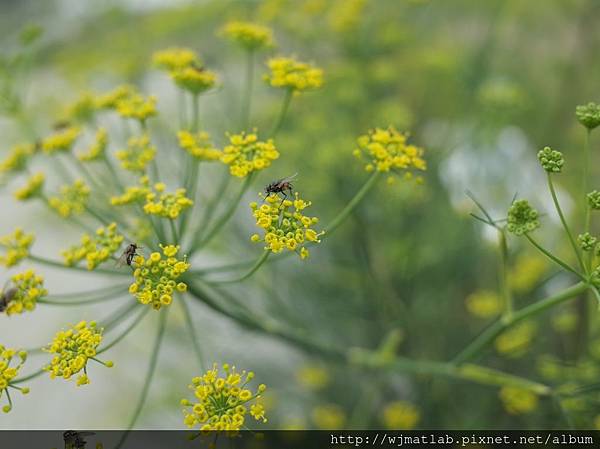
<point>17,247</point>
<point>32,188</point>
<point>133,193</point>
<point>110,100</point>
<point>72,200</point>
<point>138,154</point>
<point>313,377</point>
<point>194,79</point>
<point>8,373</point>
<point>168,205</point>
<point>284,224</point>
<point>198,145</point>
<point>484,304</point>
<point>156,277</point>
<point>515,341</point>
<point>175,58</point>
<point>248,35</point>
<point>245,154</point>
<point>222,400</point>
<point>95,249</point>
<point>97,148</point>
<point>400,415</point>
<point>16,160</point>
<point>136,106</point>
<point>73,348</point>
<point>387,150</point>
<point>328,416</point>
<point>61,140</point>
<point>294,75</point>
<point>517,401</point>
<point>28,288</point>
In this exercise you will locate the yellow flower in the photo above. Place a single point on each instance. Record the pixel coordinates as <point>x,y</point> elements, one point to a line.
<point>345,15</point>
<point>484,304</point>
<point>313,377</point>
<point>245,154</point>
<point>400,415</point>
<point>95,249</point>
<point>138,155</point>
<point>133,194</point>
<point>16,161</point>
<point>73,348</point>
<point>168,205</point>
<point>284,225</point>
<point>137,107</point>
<point>294,75</point>
<point>328,417</point>
<point>8,373</point>
<point>32,189</point>
<point>194,79</point>
<point>27,288</point>
<point>17,247</point>
<point>61,140</point>
<point>517,401</point>
<point>155,278</point>
<point>198,145</point>
<point>98,147</point>
<point>386,150</point>
<point>222,400</point>
<point>175,58</point>
<point>72,200</point>
<point>526,272</point>
<point>515,341</point>
<point>249,35</point>
<point>111,99</point>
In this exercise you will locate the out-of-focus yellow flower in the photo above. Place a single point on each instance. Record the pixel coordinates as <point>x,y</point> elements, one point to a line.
<point>32,189</point>
<point>95,249</point>
<point>168,205</point>
<point>597,422</point>
<point>484,304</point>
<point>97,148</point>
<point>73,348</point>
<point>313,377</point>
<point>345,15</point>
<point>565,321</point>
<point>248,35</point>
<point>194,79</point>
<point>27,288</point>
<point>291,74</point>
<point>8,372</point>
<point>223,400</point>
<point>156,277</point>
<point>517,401</point>
<point>328,417</point>
<point>17,158</point>
<point>61,140</point>
<point>526,272</point>
<point>16,247</point>
<point>284,224</point>
<point>133,194</point>
<point>136,106</point>
<point>175,58</point>
<point>138,154</point>
<point>400,415</point>
<point>515,342</point>
<point>111,99</point>
<point>246,154</point>
<point>72,200</point>
<point>198,145</point>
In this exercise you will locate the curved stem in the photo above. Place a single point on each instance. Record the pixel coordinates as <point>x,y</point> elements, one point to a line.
<point>564,223</point>
<point>76,303</point>
<point>194,337</point>
<point>149,375</point>
<point>488,335</point>
<point>282,112</point>
<point>28,377</point>
<point>127,330</point>
<point>339,219</point>
<point>53,263</point>
<point>262,259</point>
<point>104,292</point>
<point>554,258</point>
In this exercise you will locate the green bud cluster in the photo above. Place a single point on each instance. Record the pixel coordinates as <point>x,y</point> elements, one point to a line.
<point>551,160</point>
<point>586,241</point>
<point>522,218</point>
<point>588,115</point>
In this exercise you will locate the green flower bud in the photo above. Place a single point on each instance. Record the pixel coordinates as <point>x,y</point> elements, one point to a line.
<point>522,218</point>
<point>588,115</point>
<point>586,241</point>
<point>551,160</point>
<point>593,200</point>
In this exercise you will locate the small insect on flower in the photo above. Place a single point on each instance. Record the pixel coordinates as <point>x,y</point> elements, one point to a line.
<point>6,296</point>
<point>283,185</point>
<point>75,439</point>
<point>128,255</point>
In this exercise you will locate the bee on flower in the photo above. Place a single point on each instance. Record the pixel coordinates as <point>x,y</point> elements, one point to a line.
<point>8,373</point>
<point>223,400</point>
<point>16,247</point>
<point>27,287</point>
<point>246,154</point>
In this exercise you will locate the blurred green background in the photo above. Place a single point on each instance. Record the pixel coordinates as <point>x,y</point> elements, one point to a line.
<point>480,85</point>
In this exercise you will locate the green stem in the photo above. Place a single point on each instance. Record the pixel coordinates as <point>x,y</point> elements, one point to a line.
<point>190,325</point>
<point>490,334</point>
<point>504,283</point>
<point>195,113</point>
<point>586,168</point>
<point>247,95</point>
<point>149,375</point>
<point>28,377</point>
<point>100,292</point>
<point>51,302</point>
<point>339,219</point>
<point>262,259</point>
<point>564,223</point>
<point>282,113</point>
<point>554,258</point>
<point>127,330</point>
<point>53,263</point>
<point>174,231</point>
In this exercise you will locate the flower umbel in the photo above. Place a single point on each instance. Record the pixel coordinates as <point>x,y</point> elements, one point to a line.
<point>522,218</point>
<point>16,160</point>
<point>136,106</point>
<point>593,200</point>
<point>138,154</point>
<point>194,79</point>
<point>223,400</point>
<point>198,145</point>
<point>8,373</point>
<point>248,35</point>
<point>294,75</point>
<point>400,415</point>
<point>72,200</point>
<point>284,224</point>
<point>61,140</point>
<point>95,249</point>
<point>175,58</point>
<point>97,148</point>
<point>156,277</point>
<point>245,154</point>
<point>551,160</point>
<point>74,347</point>
<point>32,189</point>
<point>168,205</point>
<point>133,194</point>
<point>588,115</point>
<point>27,288</point>
<point>16,246</point>
<point>518,401</point>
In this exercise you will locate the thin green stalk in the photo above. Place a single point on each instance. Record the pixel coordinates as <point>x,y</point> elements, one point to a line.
<point>51,302</point>
<point>262,259</point>
<point>118,315</point>
<point>29,376</point>
<point>487,336</point>
<point>149,376</point>
<point>586,168</point>
<point>195,113</point>
<point>564,223</point>
<point>504,284</point>
<point>194,337</point>
<point>282,113</point>
<point>339,219</point>
<point>247,95</point>
<point>174,233</point>
<point>554,258</point>
<point>103,292</point>
<point>53,263</point>
<point>127,330</point>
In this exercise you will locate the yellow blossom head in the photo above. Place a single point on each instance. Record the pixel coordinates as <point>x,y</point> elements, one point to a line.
<point>138,154</point>
<point>175,58</point>
<point>248,35</point>
<point>111,99</point>
<point>133,194</point>
<point>400,415</point>
<point>27,287</point>
<point>517,401</point>
<point>97,149</point>
<point>194,79</point>
<point>72,199</point>
<point>95,249</point>
<point>9,371</point>
<point>16,247</point>
<point>246,154</point>
<point>32,189</point>
<point>167,205</point>
<point>136,106</point>
<point>515,342</point>
<point>291,74</point>
<point>328,417</point>
<point>61,140</point>
<point>484,304</point>
<point>17,158</point>
<point>198,145</point>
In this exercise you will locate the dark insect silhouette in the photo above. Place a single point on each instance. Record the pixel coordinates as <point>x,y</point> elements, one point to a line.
<point>74,440</point>
<point>7,296</point>
<point>128,255</point>
<point>283,186</point>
